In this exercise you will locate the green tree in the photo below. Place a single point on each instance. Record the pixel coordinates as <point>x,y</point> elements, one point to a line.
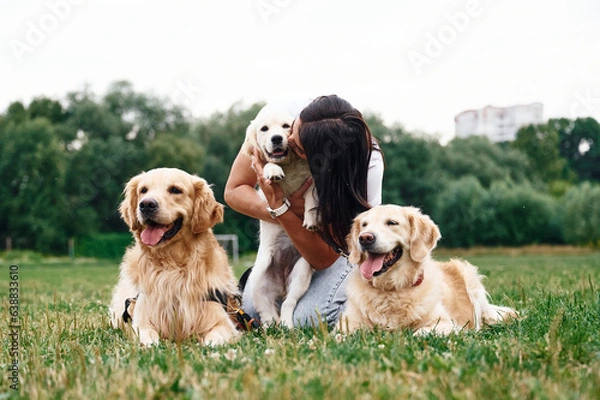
<point>16,113</point>
<point>378,128</point>
<point>96,175</point>
<point>581,219</point>
<point>113,139</point>
<point>43,107</point>
<point>517,214</point>
<point>222,135</point>
<point>92,120</point>
<point>75,159</point>
<point>487,161</point>
<point>413,172</point>
<point>579,143</point>
<point>541,145</point>
<point>458,212</point>
<point>32,171</point>
<point>145,116</point>
<point>505,214</point>
<point>170,150</point>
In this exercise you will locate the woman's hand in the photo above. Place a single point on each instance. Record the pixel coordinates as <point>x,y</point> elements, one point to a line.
<point>297,198</point>
<point>310,244</point>
<point>272,191</point>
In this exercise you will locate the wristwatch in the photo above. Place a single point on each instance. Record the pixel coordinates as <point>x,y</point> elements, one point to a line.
<point>278,212</point>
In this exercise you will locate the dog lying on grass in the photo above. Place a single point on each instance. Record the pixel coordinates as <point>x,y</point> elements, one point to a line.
<point>176,275</point>
<point>398,285</point>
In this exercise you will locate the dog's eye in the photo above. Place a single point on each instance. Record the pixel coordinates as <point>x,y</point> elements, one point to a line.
<point>363,224</point>
<point>175,190</point>
<point>391,222</point>
<point>285,126</point>
<point>143,190</point>
<point>264,128</point>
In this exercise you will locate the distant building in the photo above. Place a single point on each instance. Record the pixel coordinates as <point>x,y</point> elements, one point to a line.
<point>499,124</point>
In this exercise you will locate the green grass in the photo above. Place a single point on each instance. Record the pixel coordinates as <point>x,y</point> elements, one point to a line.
<point>68,350</point>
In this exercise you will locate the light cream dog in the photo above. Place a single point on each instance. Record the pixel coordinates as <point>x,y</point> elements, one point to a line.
<point>398,285</point>
<point>279,272</point>
<point>176,268</point>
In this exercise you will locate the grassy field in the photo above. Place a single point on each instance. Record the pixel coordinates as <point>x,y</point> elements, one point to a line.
<point>67,350</point>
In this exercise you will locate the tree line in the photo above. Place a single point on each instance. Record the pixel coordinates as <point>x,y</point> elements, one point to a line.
<point>64,163</point>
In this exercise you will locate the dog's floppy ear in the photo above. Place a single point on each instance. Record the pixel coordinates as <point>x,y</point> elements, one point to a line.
<point>251,139</point>
<point>424,235</point>
<point>356,256</point>
<point>128,207</point>
<point>207,212</point>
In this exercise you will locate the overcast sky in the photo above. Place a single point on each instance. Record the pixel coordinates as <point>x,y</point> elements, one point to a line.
<point>414,63</point>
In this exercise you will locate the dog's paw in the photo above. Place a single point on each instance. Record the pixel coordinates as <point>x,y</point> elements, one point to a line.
<point>148,337</point>
<point>422,332</point>
<point>287,320</point>
<point>223,333</point>
<point>495,314</point>
<point>347,325</point>
<point>273,172</point>
<point>288,323</point>
<point>439,329</point>
<point>311,222</point>
<point>214,339</point>
<point>269,322</point>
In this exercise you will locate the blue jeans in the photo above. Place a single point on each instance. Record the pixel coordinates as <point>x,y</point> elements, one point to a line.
<point>323,301</point>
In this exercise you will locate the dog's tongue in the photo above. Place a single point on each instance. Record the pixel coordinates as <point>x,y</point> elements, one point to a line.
<point>152,234</point>
<point>373,264</point>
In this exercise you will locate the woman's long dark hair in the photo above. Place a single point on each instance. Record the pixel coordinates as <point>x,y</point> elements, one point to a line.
<point>338,145</point>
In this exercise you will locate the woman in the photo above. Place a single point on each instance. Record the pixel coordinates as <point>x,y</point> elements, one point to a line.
<point>347,169</point>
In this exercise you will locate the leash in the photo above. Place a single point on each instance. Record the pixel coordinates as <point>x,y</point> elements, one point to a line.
<point>126,316</point>
<point>230,303</point>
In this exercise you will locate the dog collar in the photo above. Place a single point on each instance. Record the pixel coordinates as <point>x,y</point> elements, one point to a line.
<point>419,280</point>
<point>278,212</point>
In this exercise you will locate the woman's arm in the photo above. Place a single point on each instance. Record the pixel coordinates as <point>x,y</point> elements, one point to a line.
<point>310,244</point>
<point>375,178</point>
<point>240,193</point>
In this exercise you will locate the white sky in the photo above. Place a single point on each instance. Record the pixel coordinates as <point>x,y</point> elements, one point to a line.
<point>208,55</point>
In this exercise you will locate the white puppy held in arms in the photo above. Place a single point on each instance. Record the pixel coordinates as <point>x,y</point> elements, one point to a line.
<point>279,273</point>
<point>398,285</point>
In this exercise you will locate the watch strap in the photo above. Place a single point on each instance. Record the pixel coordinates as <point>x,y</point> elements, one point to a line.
<point>278,212</point>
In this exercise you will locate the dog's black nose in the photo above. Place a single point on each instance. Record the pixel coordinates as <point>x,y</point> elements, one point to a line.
<point>277,139</point>
<point>148,206</point>
<point>366,238</point>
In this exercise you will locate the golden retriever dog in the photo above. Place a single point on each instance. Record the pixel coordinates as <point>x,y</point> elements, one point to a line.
<point>398,284</point>
<point>279,272</point>
<point>176,269</point>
